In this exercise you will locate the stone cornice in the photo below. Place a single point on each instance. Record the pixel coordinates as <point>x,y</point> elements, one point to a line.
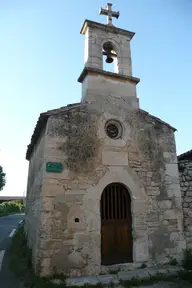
<point>93,71</point>
<point>106,28</point>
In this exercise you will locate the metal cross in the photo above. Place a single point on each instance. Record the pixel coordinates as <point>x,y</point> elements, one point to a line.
<point>109,13</point>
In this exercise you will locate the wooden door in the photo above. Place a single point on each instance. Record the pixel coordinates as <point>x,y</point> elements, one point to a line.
<point>116,225</point>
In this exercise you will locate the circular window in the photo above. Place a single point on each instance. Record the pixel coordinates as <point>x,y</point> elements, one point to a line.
<point>113,129</point>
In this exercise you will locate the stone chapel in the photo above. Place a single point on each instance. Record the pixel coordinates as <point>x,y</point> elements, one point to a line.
<point>103,183</point>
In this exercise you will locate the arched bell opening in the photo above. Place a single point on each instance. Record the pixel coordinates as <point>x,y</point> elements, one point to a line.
<point>116,225</point>
<point>110,59</point>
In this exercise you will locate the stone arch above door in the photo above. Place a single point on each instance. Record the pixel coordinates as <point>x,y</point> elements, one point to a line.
<point>139,209</point>
<point>122,175</point>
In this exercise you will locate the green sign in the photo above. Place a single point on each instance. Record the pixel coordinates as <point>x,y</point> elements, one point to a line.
<point>54,167</point>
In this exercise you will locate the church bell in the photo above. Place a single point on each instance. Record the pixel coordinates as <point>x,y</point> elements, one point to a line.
<point>107,47</point>
<point>109,58</point>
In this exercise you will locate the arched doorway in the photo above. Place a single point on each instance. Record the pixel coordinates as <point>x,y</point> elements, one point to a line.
<point>116,225</point>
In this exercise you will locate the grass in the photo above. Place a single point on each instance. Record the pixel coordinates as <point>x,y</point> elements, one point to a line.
<point>186,276</point>
<point>136,281</point>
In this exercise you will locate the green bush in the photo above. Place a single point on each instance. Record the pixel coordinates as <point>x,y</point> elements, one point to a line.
<point>187,259</point>
<point>11,207</point>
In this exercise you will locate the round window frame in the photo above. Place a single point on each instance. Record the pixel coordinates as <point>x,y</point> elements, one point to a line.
<point>119,128</point>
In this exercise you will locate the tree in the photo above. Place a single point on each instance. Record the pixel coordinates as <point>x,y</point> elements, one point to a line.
<point>2,178</point>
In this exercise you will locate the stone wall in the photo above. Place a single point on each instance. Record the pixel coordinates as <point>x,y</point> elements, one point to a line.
<point>65,244</point>
<point>185,172</point>
<point>143,159</point>
<point>152,156</point>
<point>34,197</point>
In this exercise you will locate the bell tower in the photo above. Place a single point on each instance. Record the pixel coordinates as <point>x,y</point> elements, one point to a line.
<point>113,44</point>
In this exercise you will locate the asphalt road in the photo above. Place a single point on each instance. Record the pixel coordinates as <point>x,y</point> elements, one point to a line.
<point>8,226</point>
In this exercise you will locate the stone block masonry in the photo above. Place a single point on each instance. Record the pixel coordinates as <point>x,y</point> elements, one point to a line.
<point>34,199</point>
<point>185,174</point>
<point>116,279</point>
<point>68,239</point>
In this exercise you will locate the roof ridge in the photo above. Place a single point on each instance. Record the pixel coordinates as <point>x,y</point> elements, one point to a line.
<point>158,119</point>
<point>187,153</point>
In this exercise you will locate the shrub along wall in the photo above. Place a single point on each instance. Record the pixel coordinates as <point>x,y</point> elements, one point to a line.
<point>11,207</point>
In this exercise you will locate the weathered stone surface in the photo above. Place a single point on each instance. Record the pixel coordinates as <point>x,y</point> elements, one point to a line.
<point>186,190</point>
<point>140,274</point>
<point>190,174</point>
<point>108,279</point>
<point>188,199</point>
<point>34,197</point>
<point>165,204</point>
<point>151,271</point>
<point>174,270</point>
<point>80,281</point>
<point>75,259</point>
<point>114,158</point>
<point>162,271</point>
<point>128,275</point>
<point>57,281</point>
<point>169,214</point>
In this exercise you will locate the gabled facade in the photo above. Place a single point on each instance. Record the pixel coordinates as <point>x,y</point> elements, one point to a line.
<point>117,198</point>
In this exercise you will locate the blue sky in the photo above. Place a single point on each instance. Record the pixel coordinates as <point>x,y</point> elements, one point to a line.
<point>42,55</point>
